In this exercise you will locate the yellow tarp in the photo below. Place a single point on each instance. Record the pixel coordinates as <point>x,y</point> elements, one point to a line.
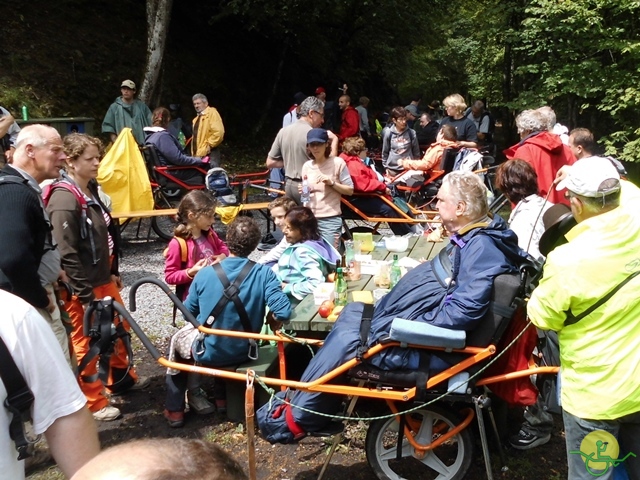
<point>123,176</point>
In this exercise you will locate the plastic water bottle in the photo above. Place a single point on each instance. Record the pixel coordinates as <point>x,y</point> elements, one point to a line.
<point>341,289</point>
<point>305,195</point>
<point>396,272</point>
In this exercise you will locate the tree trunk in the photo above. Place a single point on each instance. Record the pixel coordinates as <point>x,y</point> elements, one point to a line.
<point>158,17</point>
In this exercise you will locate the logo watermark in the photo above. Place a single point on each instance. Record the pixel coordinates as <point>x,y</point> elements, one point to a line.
<point>600,451</point>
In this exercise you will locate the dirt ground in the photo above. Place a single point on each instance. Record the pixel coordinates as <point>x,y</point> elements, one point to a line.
<point>142,418</point>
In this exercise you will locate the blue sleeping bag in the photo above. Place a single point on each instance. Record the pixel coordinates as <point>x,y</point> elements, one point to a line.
<point>477,256</point>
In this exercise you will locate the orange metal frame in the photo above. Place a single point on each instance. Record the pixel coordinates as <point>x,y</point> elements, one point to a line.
<point>475,355</point>
<point>404,218</point>
<point>323,385</point>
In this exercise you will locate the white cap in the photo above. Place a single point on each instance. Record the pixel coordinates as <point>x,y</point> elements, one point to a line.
<point>128,84</point>
<point>585,177</point>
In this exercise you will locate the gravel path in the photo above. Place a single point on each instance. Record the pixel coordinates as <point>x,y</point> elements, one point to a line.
<point>141,258</point>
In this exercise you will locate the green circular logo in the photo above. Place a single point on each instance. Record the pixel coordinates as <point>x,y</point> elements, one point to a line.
<point>600,449</point>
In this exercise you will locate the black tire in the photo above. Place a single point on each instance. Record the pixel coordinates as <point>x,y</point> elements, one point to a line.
<point>449,461</point>
<point>164,225</point>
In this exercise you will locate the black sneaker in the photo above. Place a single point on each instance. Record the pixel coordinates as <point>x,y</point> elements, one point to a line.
<point>524,440</point>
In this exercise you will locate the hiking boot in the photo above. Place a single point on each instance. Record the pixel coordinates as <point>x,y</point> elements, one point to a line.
<point>175,419</point>
<point>141,384</point>
<point>199,403</point>
<point>524,440</point>
<point>106,414</point>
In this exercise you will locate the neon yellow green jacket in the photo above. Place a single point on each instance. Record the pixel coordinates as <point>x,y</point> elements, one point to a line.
<point>599,354</point>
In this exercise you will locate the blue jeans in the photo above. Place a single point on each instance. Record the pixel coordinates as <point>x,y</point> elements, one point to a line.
<point>330,228</point>
<point>627,432</point>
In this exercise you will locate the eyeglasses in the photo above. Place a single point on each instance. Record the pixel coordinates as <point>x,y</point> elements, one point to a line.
<point>401,119</point>
<point>321,114</point>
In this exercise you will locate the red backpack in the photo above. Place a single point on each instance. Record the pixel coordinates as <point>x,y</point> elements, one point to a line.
<point>77,193</point>
<point>519,391</point>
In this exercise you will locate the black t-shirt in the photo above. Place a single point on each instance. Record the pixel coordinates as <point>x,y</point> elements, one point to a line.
<point>427,134</point>
<point>465,128</point>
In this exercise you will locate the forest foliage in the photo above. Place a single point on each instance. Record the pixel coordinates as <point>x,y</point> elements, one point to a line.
<point>582,57</point>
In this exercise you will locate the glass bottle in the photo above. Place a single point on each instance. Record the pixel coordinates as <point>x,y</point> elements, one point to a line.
<point>341,289</point>
<point>396,272</point>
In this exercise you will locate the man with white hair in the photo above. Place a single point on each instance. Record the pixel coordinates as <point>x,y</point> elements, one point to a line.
<point>208,130</point>
<point>289,149</point>
<point>29,260</point>
<point>588,294</point>
<point>543,150</point>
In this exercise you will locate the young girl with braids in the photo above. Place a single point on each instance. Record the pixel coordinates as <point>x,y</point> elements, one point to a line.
<point>194,238</point>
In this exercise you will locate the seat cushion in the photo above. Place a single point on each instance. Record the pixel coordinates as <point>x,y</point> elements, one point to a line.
<point>421,333</point>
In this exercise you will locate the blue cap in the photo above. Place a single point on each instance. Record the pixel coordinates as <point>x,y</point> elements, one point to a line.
<point>318,135</point>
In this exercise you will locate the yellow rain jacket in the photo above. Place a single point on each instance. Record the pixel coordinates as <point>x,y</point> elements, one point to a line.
<point>123,176</point>
<point>210,132</point>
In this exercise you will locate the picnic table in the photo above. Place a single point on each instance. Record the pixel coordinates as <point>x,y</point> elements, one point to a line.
<point>305,319</point>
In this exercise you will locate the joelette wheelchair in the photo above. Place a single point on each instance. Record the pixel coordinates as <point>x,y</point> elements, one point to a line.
<point>424,431</point>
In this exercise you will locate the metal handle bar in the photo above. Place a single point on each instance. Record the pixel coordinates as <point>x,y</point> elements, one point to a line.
<point>165,288</point>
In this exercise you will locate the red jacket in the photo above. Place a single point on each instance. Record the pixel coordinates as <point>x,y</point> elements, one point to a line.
<point>364,179</point>
<point>350,126</point>
<point>546,153</point>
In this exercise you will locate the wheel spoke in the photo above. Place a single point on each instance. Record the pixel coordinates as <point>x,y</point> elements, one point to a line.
<point>432,461</point>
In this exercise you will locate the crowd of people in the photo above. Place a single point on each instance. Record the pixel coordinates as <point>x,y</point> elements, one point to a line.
<point>57,230</point>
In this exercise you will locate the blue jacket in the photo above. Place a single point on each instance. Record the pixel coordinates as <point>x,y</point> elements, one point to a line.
<point>259,289</point>
<point>480,254</point>
<point>169,149</point>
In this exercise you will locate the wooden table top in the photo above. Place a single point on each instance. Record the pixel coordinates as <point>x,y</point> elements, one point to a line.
<point>305,316</point>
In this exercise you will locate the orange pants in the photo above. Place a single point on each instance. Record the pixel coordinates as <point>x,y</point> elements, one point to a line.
<point>119,361</point>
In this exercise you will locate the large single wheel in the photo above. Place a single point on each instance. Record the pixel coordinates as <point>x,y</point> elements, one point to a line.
<point>449,461</point>
<point>165,224</point>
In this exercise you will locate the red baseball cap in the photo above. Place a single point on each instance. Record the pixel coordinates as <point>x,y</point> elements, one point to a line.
<point>320,90</point>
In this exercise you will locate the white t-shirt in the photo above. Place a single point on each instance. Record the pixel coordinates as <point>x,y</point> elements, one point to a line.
<point>38,356</point>
<point>526,222</point>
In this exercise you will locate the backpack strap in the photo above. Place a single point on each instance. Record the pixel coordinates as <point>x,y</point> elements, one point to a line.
<point>231,291</point>
<point>18,402</point>
<point>571,319</point>
<point>184,255</point>
<point>365,328</point>
<point>99,324</point>
<point>14,179</point>
<point>79,196</point>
